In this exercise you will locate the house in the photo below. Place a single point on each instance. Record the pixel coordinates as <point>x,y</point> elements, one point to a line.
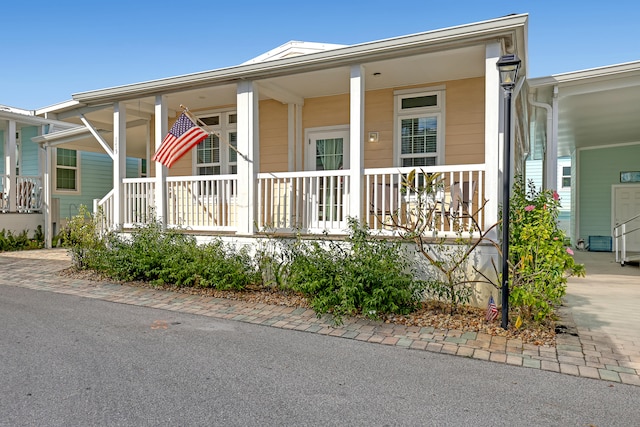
<point>32,184</point>
<point>592,116</point>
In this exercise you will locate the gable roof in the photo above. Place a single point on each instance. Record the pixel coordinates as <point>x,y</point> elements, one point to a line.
<point>293,48</point>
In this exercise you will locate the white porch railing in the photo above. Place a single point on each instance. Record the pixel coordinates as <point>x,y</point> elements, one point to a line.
<point>312,201</point>
<point>28,194</point>
<point>4,196</point>
<point>104,206</point>
<point>138,201</point>
<point>203,202</point>
<point>306,201</point>
<point>451,201</point>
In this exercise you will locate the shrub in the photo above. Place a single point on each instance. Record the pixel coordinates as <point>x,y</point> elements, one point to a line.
<point>539,258</point>
<point>21,241</point>
<point>365,275</point>
<point>82,238</point>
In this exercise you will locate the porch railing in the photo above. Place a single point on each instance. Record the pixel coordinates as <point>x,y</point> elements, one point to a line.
<point>4,197</point>
<point>306,201</point>
<point>138,201</point>
<point>103,210</point>
<point>28,194</point>
<point>203,202</point>
<point>316,201</point>
<point>440,200</point>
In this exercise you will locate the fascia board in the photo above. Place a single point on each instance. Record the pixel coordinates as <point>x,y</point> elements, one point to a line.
<point>34,120</point>
<point>508,26</point>
<point>608,71</point>
<point>63,135</point>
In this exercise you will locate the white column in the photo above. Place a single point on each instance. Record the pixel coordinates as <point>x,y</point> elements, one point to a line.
<point>46,187</point>
<point>119,160</point>
<point>493,136</point>
<point>10,164</point>
<point>551,152</point>
<point>299,141</point>
<point>248,156</point>
<point>161,129</point>
<point>356,141</point>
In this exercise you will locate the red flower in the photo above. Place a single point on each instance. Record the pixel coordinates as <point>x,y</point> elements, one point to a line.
<point>529,208</point>
<point>556,196</point>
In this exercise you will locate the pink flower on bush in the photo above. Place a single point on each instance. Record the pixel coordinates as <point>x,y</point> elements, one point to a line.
<point>529,208</point>
<point>556,196</point>
<point>569,251</point>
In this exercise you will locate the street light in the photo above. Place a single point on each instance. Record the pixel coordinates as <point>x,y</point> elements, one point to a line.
<point>508,66</point>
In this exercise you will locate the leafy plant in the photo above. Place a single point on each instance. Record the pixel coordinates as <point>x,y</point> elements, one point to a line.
<point>362,275</point>
<point>82,238</point>
<point>540,261</point>
<point>21,241</point>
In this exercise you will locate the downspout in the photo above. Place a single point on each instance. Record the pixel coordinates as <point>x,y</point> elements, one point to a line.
<point>549,110</point>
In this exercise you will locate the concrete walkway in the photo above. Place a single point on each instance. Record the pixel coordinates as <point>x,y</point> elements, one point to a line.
<point>602,342</point>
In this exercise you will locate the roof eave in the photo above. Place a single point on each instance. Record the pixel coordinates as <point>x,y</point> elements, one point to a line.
<point>505,27</point>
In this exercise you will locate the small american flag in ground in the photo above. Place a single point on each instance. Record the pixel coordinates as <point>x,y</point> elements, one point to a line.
<point>183,136</point>
<point>492,310</point>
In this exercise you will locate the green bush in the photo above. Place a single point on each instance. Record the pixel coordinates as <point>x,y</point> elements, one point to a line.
<point>21,241</point>
<point>152,254</point>
<point>539,258</point>
<point>82,238</point>
<point>366,275</point>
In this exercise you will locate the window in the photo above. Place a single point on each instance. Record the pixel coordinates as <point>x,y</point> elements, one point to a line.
<point>566,176</point>
<point>67,170</point>
<point>419,124</point>
<point>217,155</point>
<point>142,168</point>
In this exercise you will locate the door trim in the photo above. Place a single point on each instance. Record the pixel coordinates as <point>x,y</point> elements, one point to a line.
<point>328,132</point>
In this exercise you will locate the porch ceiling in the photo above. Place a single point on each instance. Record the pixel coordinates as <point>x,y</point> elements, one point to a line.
<point>423,69</point>
<point>597,107</point>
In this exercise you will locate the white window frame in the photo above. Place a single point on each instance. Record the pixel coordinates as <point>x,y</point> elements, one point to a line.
<point>400,113</point>
<point>223,130</point>
<point>77,168</point>
<point>563,176</point>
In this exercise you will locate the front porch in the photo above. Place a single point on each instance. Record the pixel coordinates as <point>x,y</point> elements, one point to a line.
<point>308,202</point>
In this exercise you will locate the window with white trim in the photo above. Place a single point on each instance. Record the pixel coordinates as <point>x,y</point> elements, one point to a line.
<point>566,176</point>
<point>67,170</point>
<point>213,155</point>
<point>419,127</point>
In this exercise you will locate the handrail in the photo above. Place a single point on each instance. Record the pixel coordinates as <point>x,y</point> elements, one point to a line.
<point>621,238</point>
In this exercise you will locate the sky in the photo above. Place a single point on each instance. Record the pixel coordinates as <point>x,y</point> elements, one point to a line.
<point>53,49</point>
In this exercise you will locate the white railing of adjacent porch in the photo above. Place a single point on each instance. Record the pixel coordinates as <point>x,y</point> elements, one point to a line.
<point>312,201</point>
<point>138,201</point>
<point>28,193</point>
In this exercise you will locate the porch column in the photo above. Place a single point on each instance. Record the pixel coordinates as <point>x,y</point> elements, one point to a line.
<point>10,165</point>
<point>550,181</point>
<point>356,141</point>
<point>248,156</point>
<point>161,128</point>
<point>119,161</point>
<point>493,137</point>
<point>46,187</point>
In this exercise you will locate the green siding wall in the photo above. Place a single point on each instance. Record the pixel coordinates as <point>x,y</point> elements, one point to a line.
<point>30,160</point>
<point>96,180</point>
<point>598,170</point>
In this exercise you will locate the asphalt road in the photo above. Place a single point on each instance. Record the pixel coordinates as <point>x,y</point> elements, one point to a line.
<point>74,361</point>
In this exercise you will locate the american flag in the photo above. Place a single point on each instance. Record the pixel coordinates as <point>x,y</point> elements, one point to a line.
<point>492,310</point>
<point>183,136</point>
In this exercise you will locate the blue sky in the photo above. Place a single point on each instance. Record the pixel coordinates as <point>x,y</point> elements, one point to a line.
<point>52,49</point>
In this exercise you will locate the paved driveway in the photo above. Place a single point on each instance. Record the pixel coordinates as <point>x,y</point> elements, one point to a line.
<point>605,306</point>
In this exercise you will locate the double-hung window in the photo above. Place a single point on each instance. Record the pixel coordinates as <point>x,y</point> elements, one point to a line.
<point>216,155</point>
<point>67,170</point>
<point>419,128</point>
<point>566,177</point>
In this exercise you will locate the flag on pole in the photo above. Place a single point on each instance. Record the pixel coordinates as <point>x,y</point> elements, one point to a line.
<point>183,136</point>
<point>492,310</point>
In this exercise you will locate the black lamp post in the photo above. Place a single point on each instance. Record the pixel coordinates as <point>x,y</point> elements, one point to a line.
<point>508,66</point>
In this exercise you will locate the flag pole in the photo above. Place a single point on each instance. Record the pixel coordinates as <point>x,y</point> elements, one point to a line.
<point>186,111</point>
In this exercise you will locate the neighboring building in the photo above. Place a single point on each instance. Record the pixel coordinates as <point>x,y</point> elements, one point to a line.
<point>75,177</point>
<point>594,117</point>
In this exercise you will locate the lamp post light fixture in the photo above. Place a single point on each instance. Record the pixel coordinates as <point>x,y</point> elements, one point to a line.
<point>508,66</point>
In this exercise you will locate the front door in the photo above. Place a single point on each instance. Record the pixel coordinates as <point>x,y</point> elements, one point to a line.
<point>328,150</point>
<point>627,205</point>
